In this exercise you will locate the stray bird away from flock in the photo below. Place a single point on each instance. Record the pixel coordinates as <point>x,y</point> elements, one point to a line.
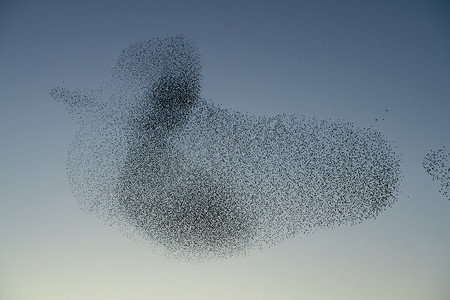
<point>162,164</point>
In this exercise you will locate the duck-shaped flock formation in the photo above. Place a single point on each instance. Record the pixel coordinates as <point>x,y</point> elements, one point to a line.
<point>154,158</point>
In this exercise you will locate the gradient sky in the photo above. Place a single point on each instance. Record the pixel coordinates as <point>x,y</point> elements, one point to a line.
<point>349,60</point>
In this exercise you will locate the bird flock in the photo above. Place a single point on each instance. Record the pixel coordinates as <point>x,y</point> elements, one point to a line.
<point>437,164</point>
<point>156,160</point>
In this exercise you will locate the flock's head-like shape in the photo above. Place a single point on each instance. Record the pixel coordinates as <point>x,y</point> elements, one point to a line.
<point>153,156</point>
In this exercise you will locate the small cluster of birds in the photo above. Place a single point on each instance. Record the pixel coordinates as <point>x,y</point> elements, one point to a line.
<point>156,159</point>
<point>437,164</point>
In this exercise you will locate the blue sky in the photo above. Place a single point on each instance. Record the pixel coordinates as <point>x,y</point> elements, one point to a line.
<point>349,60</point>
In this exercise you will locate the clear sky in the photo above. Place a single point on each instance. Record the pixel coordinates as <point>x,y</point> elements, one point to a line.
<point>349,60</point>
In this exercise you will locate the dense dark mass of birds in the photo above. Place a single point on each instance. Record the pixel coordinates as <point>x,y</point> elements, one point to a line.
<point>437,164</point>
<point>198,181</point>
